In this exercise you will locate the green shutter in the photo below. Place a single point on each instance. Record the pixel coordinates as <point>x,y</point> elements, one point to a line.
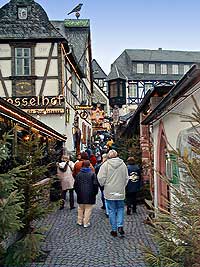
<point>175,169</point>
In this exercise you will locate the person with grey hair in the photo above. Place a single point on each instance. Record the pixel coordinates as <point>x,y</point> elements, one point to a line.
<point>113,175</point>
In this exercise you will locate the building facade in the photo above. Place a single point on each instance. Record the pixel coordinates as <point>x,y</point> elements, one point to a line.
<point>135,71</point>
<point>39,71</point>
<point>99,76</point>
<point>170,132</point>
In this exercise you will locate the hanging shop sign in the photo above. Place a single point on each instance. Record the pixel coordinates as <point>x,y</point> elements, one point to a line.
<point>37,101</point>
<point>77,107</point>
<point>46,111</point>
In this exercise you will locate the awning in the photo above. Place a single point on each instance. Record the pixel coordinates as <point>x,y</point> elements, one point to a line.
<point>25,119</point>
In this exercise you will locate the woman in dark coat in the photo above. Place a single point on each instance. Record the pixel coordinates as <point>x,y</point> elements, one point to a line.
<point>86,188</point>
<point>133,185</point>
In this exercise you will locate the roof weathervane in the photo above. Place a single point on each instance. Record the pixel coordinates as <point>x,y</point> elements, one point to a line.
<point>76,10</point>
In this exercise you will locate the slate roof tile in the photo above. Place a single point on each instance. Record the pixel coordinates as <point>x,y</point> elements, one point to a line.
<point>36,26</point>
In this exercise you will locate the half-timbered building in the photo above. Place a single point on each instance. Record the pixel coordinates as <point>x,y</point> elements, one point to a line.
<point>135,71</point>
<point>39,71</point>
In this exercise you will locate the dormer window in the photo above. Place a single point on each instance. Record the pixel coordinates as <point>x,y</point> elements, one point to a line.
<point>152,68</point>
<point>140,68</point>
<point>163,69</point>
<point>175,69</point>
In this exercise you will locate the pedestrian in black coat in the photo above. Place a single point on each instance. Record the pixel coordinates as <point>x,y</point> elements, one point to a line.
<point>86,188</point>
<point>133,185</point>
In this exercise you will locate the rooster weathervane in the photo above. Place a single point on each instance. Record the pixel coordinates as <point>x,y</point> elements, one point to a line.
<point>76,10</point>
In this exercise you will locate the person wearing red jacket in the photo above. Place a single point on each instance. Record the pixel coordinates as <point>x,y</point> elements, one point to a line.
<point>93,160</point>
<point>78,165</point>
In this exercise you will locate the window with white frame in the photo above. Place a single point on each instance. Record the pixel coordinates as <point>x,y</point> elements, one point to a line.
<point>22,61</point>
<point>132,90</point>
<point>175,69</point>
<point>140,68</point>
<point>101,83</point>
<point>148,86</point>
<point>163,68</point>
<point>186,68</point>
<point>152,68</point>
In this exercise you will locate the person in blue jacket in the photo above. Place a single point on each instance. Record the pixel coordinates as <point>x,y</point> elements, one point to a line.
<point>133,185</point>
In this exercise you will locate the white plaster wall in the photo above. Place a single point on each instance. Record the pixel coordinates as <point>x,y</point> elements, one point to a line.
<point>57,122</point>
<point>5,50</point>
<point>38,84</point>
<point>8,85</point>
<point>54,121</point>
<point>172,126</point>
<point>173,123</point>
<point>42,49</point>
<point>50,89</point>
<point>5,66</point>
<point>40,66</point>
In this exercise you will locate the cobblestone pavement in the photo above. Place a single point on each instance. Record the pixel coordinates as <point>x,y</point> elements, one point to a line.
<point>70,245</point>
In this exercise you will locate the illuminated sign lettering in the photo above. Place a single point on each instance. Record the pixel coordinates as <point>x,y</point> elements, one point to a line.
<point>82,107</point>
<point>37,101</point>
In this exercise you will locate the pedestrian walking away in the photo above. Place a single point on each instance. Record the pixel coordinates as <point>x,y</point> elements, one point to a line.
<point>86,188</point>
<point>113,175</point>
<point>97,167</point>
<point>64,172</point>
<point>78,165</point>
<point>133,185</point>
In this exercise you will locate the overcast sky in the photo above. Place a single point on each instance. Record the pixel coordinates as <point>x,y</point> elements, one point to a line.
<point>117,25</point>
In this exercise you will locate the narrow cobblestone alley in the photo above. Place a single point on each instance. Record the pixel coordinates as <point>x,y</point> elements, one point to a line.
<point>70,245</point>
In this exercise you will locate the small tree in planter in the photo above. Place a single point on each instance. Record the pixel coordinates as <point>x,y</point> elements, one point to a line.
<point>177,234</point>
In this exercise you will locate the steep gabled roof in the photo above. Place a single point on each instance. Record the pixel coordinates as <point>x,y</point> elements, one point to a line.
<point>116,73</point>
<point>125,61</point>
<point>98,73</point>
<point>77,33</point>
<point>163,55</point>
<point>36,26</point>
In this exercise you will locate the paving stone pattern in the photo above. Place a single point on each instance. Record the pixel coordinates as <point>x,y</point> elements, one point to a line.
<point>70,245</point>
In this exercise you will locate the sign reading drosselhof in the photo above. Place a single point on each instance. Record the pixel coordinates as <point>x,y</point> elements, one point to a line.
<point>37,101</point>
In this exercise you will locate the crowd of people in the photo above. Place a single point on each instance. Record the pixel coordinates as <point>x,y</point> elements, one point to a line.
<point>99,167</point>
